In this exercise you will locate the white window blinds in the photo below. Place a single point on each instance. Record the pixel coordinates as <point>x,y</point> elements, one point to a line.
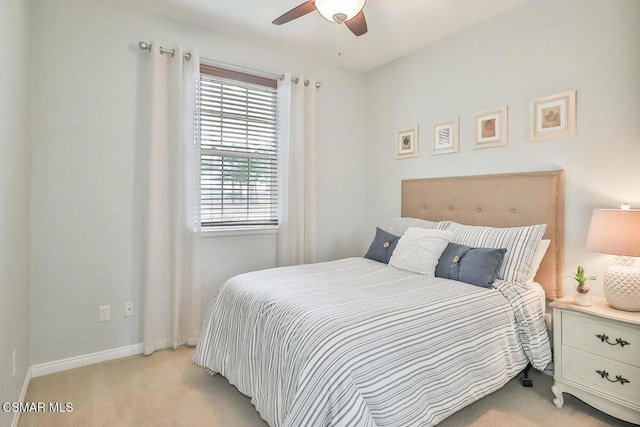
<point>239,149</point>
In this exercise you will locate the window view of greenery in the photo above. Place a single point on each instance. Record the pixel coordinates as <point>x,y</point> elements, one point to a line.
<point>239,153</point>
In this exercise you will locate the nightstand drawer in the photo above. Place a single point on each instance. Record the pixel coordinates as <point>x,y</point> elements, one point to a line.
<point>601,336</point>
<point>598,373</point>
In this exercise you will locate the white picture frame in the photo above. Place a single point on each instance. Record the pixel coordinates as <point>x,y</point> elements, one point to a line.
<point>445,136</point>
<point>553,117</point>
<point>407,143</point>
<point>490,128</point>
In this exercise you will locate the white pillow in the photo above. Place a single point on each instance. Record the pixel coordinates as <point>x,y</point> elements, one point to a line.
<point>537,258</point>
<point>419,250</point>
<point>520,243</point>
<point>400,225</point>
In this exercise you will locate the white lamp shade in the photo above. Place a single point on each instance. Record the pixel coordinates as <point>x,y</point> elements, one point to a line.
<point>329,8</point>
<point>615,232</point>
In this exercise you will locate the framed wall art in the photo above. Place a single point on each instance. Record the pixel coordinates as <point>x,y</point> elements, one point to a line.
<point>553,117</point>
<point>407,143</point>
<point>444,137</point>
<point>490,128</point>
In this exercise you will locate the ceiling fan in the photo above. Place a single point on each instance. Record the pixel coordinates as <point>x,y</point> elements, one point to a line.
<point>348,12</point>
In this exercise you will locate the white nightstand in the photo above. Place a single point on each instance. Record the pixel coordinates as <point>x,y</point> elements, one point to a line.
<point>597,356</point>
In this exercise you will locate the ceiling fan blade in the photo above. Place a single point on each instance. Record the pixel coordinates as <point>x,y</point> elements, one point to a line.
<point>357,24</point>
<point>296,12</point>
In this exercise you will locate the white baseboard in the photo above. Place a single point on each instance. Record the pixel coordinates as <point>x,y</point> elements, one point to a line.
<point>70,363</point>
<point>23,394</point>
<point>86,359</point>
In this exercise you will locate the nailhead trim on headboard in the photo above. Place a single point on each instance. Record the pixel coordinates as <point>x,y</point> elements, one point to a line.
<point>419,189</point>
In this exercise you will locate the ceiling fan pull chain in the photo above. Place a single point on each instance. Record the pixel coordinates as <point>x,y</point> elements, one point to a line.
<point>339,51</point>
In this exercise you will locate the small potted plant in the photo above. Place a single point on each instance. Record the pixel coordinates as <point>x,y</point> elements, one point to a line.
<point>582,298</point>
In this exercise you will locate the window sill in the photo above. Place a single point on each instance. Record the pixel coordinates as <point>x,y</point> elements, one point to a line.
<point>239,231</point>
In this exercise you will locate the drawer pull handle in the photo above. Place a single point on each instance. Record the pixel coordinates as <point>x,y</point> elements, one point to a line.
<point>605,338</point>
<point>605,374</point>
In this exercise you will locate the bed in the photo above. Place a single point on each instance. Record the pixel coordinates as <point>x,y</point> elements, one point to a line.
<point>356,342</point>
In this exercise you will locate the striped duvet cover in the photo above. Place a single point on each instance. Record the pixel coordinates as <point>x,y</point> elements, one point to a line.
<point>355,342</point>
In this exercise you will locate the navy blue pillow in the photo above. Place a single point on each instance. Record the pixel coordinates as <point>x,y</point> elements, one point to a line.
<point>477,266</point>
<point>382,246</point>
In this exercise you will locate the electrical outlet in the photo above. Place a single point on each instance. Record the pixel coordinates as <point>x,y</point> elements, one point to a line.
<point>14,363</point>
<point>105,313</point>
<point>128,309</point>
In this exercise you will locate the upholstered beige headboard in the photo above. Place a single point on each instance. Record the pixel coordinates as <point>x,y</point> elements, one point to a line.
<point>504,200</point>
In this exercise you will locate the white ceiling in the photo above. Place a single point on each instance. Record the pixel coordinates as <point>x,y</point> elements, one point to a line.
<point>396,27</point>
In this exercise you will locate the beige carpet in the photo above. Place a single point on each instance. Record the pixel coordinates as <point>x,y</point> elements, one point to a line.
<point>165,389</point>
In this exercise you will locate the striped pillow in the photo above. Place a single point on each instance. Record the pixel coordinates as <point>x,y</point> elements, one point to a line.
<point>400,225</point>
<point>520,242</point>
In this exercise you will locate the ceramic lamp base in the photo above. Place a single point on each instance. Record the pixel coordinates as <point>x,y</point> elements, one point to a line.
<point>622,287</point>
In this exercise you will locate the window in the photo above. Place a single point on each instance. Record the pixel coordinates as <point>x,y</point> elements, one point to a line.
<point>239,149</point>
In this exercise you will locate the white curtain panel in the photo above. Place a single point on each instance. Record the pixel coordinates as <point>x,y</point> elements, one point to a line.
<point>171,292</point>
<point>297,172</point>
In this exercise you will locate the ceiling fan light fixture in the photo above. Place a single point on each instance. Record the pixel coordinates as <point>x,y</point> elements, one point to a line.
<point>339,10</point>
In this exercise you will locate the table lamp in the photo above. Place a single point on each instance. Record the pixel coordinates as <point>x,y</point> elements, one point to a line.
<point>617,232</point>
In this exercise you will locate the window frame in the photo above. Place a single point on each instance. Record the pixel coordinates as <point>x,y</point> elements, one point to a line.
<point>210,154</point>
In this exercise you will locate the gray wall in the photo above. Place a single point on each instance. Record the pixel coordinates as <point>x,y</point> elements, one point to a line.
<point>537,49</point>
<point>88,91</point>
<point>14,202</point>
<point>87,100</point>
